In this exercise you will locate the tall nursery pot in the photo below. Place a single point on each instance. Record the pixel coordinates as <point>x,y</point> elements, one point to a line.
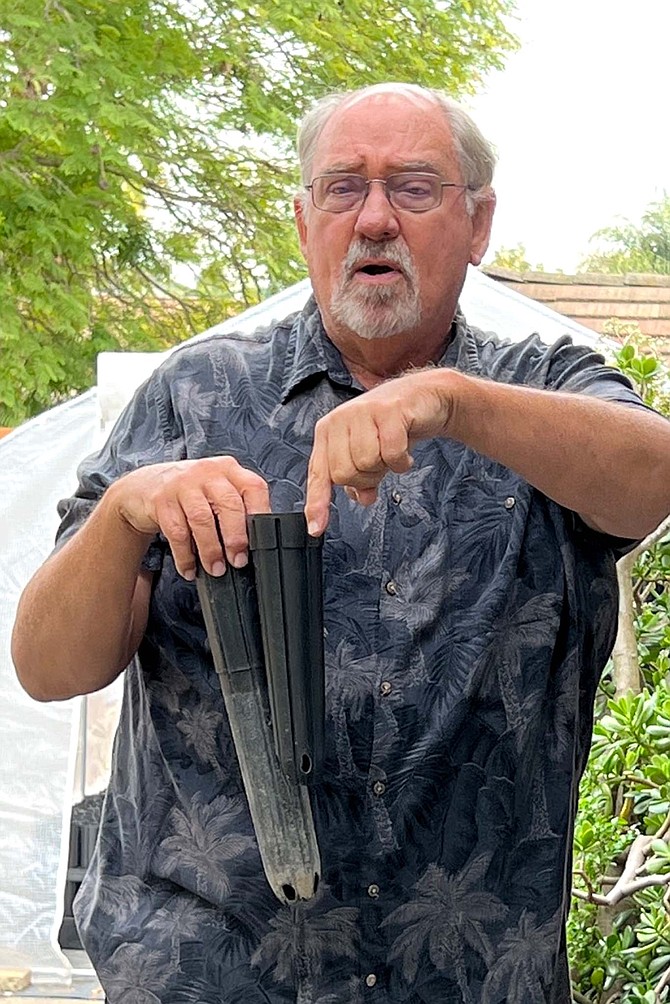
<point>265,628</point>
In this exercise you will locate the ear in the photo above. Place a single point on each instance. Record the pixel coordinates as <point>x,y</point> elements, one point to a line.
<point>299,213</point>
<point>481,227</point>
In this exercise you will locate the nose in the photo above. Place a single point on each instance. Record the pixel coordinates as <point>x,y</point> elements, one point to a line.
<point>377,219</point>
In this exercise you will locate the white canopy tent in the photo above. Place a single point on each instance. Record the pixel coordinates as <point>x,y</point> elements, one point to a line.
<point>40,774</point>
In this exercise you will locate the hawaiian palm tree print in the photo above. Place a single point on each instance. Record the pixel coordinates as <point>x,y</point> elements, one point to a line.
<point>136,973</point>
<point>204,846</point>
<point>468,618</point>
<point>523,970</point>
<point>447,918</point>
<point>300,942</point>
<point>199,726</point>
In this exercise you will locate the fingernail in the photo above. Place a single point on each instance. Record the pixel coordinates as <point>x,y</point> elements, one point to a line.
<point>218,568</point>
<point>313,528</point>
<point>351,493</point>
<point>240,560</point>
<point>188,574</point>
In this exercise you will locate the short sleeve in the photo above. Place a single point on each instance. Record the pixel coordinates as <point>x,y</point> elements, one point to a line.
<point>561,366</point>
<point>146,432</point>
<point>579,369</point>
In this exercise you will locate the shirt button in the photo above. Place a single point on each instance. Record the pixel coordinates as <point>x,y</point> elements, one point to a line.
<point>370,980</point>
<point>379,787</point>
<point>373,891</point>
<point>391,588</point>
<point>396,496</point>
<point>510,502</point>
<point>385,688</point>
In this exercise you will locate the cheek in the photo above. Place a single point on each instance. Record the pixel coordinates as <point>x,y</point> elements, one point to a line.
<point>327,249</point>
<point>441,266</point>
<point>445,247</point>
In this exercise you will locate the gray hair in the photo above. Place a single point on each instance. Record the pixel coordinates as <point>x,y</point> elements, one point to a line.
<point>476,156</point>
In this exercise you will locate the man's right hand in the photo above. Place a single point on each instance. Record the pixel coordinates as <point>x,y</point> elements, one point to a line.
<point>185,500</point>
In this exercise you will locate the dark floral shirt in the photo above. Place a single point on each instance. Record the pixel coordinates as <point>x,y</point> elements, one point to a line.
<point>467,620</point>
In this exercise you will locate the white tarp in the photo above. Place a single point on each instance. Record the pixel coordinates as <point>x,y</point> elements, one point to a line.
<point>38,779</point>
<point>37,461</point>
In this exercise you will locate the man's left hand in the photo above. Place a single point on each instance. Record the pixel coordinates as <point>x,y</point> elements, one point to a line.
<point>359,442</point>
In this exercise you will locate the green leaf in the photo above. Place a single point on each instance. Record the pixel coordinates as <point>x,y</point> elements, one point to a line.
<point>650,366</point>
<point>125,126</point>
<point>598,978</point>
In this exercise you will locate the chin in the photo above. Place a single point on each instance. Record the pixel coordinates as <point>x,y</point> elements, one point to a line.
<point>377,333</point>
<point>382,319</point>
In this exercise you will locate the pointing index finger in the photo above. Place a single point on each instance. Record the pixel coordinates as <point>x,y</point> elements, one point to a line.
<point>319,488</point>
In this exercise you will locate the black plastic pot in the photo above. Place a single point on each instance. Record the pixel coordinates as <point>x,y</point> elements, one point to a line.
<point>265,627</point>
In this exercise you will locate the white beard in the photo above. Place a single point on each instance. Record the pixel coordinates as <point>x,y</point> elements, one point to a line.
<point>376,312</point>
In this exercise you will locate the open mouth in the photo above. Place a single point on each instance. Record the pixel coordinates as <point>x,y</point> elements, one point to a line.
<point>377,271</point>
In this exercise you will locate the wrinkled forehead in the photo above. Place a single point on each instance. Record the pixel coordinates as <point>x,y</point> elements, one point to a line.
<point>399,126</point>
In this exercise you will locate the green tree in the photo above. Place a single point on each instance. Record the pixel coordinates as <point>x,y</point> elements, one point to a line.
<point>514,258</point>
<point>634,247</point>
<point>139,137</point>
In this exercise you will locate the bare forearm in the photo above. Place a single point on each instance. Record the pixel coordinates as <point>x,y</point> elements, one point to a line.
<point>77,621</point>
<point>606,461</point>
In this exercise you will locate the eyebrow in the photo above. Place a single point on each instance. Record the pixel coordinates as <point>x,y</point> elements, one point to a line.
<point>349,167</point>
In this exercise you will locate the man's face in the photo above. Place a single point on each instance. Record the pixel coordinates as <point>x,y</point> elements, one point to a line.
<point>379,272</point>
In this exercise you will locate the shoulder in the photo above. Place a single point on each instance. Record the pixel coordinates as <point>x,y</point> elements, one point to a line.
<point>559,365</point>
<point>523,360</point>
<point>226,368</point>
<point>216,347</point>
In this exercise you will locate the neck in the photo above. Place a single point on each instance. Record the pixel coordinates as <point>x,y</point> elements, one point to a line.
<point>373,361</point>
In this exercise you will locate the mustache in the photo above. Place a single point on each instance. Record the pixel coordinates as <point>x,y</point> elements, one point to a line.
<point>394,251</point>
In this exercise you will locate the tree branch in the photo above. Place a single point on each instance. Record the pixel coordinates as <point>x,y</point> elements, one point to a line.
<point>171,296</point>
<point>653,538</point>
<point>631,879</point>
<point>626,671</point>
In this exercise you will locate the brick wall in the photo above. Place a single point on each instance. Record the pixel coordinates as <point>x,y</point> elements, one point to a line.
<point>595,299</point>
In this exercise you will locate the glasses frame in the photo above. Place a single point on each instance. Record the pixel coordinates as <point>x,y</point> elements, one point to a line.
<point>384,182</point>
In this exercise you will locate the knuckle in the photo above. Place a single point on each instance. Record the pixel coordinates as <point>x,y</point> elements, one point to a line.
<point>366,457</point>
<point>342,473</point>
<point>234,543</point>
<point>322,427</point>
<point>199,515</point>
<point>228,465</point>
<point>208,555</point>
<point>226,499</point>
<point>253,479</point>
<point>170,519</point>
<point>177,533</point>
<point>395,454</point>
<point>241,478</point>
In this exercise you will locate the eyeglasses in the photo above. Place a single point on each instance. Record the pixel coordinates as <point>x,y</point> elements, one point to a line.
<point>410,191</point>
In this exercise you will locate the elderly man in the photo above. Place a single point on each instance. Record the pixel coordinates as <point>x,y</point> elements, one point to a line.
<point>482,494</point>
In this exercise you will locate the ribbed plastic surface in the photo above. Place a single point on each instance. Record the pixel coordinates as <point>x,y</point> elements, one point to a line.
<point>264,624</point>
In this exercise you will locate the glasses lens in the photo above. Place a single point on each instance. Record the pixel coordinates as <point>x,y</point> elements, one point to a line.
<point>336,193</point>
<point>414,192</point>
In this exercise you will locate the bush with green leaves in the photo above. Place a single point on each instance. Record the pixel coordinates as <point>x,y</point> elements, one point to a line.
<point>619,927</point>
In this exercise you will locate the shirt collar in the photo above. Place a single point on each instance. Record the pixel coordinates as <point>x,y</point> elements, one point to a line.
<point>461,350</point>
<point>311,352</point>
